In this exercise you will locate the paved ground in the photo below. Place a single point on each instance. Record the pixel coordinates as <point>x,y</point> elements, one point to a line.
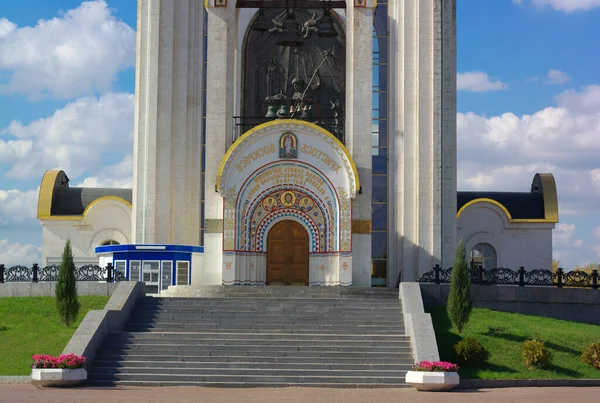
<point>28,393</point>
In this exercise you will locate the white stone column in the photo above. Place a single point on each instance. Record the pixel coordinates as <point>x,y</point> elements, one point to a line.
<point>168,122</point>
<point>422,135</point>
<point>359,79</point>
<point>219,115</point>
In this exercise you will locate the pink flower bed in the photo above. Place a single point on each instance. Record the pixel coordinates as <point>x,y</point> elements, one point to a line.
<point>64,361</point>
<point>435,366</point>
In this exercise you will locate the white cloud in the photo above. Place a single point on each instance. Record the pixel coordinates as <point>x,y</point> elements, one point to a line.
<point>76,138</point>
<point>558,77</point>
<point>17,206</point>
<point>68,56</point>
<point>504,152</point>
<point>564,237</point>
<point>563,5</point>
<point>478,81</point>
<point>14,253</point>
<point>115,176</point>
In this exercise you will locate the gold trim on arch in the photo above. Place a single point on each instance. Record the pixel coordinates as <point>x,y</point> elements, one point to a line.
<point>550,196</point>
<point>87,209</point>
<point>504,209</point>
<point>278,122</point>
<point>44,207</point>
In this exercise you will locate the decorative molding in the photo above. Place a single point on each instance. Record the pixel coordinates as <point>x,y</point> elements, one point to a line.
<point>361,226</point>
<point>213,226</point>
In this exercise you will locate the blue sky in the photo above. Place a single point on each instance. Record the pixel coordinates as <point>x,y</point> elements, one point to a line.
<point>528,101</point>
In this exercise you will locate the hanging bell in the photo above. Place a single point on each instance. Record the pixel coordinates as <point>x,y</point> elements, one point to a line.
<point>261,24</point>
<point>326,28</point>
<point>271,112</point>
<point>289,32</point>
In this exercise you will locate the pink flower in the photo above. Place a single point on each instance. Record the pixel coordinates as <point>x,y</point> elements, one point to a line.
<point>65,361</point>
<point>436,366</point>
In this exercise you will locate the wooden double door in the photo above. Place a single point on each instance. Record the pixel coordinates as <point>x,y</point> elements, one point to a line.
<point>287,254</point>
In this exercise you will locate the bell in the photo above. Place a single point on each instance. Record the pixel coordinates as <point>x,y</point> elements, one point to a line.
<point>271,112</point>
<point>261,24</point>
<point>326,28</point>
<point>289,32</point>
<point>283,112</point>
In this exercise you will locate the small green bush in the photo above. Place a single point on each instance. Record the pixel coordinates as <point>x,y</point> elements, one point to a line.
<point>535,354</point>
<point>470,351</point>
<point>591,355</point>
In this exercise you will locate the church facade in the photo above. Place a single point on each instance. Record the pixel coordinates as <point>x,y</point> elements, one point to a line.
<point>295,142</point>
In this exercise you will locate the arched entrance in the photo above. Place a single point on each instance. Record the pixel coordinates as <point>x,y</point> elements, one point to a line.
<point>287,254</point>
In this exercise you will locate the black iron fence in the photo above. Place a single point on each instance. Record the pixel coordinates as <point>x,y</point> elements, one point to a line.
<point>335,125</point>
<point>503,276</point>
<point>36,274</point>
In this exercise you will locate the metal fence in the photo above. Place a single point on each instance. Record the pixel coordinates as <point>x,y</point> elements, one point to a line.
<point>36,274</point>
<point>521,277</point>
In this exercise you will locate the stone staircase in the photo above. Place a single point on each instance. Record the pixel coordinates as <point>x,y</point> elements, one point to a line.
<point>259,336</point>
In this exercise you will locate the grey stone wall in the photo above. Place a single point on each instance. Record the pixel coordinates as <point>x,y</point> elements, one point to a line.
<point>418,324</point>
<point>574,304</point>
<point>90,334</point>
<point>46,289</point>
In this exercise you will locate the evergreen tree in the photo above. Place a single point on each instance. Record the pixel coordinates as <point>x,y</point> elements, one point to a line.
<point>459,300</point>
<point>67,303</point>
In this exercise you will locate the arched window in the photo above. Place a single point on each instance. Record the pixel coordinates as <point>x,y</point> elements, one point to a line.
<point>109,242</point>
<point>484,255</point>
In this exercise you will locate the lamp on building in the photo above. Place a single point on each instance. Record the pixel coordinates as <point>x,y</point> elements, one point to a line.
<point>261,24</point>
<point>290,36</point>
<point>326,28</point>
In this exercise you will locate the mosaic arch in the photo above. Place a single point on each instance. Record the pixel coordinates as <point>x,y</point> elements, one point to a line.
<point>287,170</point>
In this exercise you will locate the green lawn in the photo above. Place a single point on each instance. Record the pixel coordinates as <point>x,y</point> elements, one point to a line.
<point>30,325</point>
<point>503,334</point>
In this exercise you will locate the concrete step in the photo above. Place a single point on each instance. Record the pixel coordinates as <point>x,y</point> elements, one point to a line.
<point>251,379</point>
<point>184,343</point>
<point>111,365</point>
<point>174,336</point>
<point>244,384</point>
<point>317,355</point>
<point>264,321</point>
<point>99,372</point>
<point>251,349</point>
<point>158,359</point>
<point>162,328</point>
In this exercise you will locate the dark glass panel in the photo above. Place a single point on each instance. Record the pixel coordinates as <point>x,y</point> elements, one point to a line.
<point>379,269</point>
<point>382,46</point>
<point>383,133</point>
<point>379,216</point>
<point>382,79</point>
<point>382,102</point>
<point>379,188</point>
<point>379,160</point>
<point>379,245</point>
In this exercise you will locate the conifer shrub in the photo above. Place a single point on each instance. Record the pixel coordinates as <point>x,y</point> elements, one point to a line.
<point>471,352</point>
<point>67,303</point>
<point>591,355</point>
<point>459,299</point>
<point>535,354</point>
